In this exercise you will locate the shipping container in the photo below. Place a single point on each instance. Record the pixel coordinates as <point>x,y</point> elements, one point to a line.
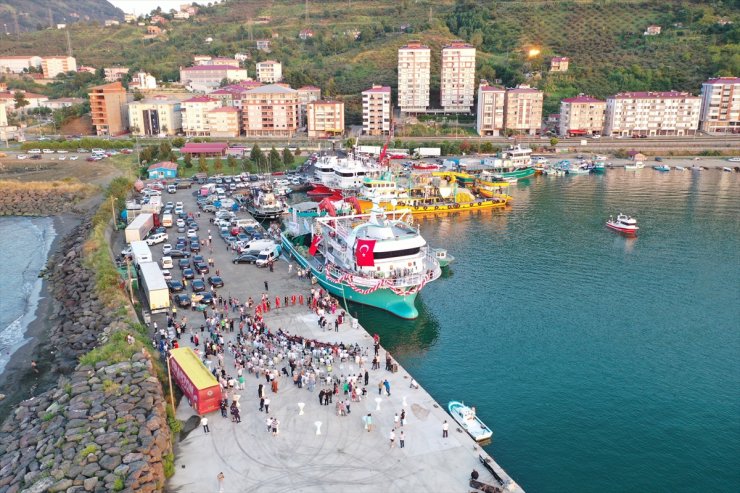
<point>139,227</point>
<point>428,151</point>
<point>154,286</point>
<point>198,385</point>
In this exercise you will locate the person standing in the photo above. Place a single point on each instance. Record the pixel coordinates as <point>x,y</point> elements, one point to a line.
<point>267,405</point>
<point>220,479</point>
<point>387,387</point>
<point>401,439</point>
<point>367,377</point>
<point>445,428</point>
<point>392,437</point>
<point>204,424</point>
<point>396,421</point>
<point>266,286</point>
<point>403,417</point>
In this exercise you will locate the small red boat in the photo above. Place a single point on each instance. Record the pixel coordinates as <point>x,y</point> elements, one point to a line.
<point>426,166</point>
<point>320,190</point>
<point>623,224</point>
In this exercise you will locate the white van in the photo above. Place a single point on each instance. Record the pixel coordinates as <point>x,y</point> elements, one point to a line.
<point>258,245</point>
<point>245,223</point>
<point>156,238</point>
<point>167,263</point>
<point>167,220</point>
<point>268,255</point>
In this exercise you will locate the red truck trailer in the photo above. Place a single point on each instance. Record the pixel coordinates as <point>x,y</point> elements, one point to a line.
<point>198,384</point>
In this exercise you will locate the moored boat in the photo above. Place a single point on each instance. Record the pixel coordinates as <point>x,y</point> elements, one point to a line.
<point>624,224</point>
<point>679,168</point>
<point>471,423</point>
<point>444,258</point>
<point>265,206</point>
<point>636,166</point>
<point>662,167</point>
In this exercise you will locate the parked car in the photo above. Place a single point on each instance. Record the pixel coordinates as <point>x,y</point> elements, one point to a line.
<point>174,253</point>
<point>167,275</point>
<point>74,158</point>
<point>22,156</point>
<point>201,267</point>
<point>195,246</point>
<point>175,286</point>
<point>216,281</point>
<point>188,273</point>
<point>167,262</point>
<point>246,258</point>
<point>183,263</point>
<point>198,286</point>
<point>182,300</point>
<point>156,238</point>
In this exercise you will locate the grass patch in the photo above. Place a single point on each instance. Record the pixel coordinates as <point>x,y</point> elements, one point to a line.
<point>110,387</point>
<point>89,449</point>
<point>168,461</point>
<point>118,484</point>
<point>48,417</point>
<point>116,350</point>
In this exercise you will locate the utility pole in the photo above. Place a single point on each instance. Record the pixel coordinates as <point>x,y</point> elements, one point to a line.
<point>249,27</point>
<point>430,14</point>
<point>17,27</point>
<point>113,211</point>
<point>69,43</point>
<point>51,19</point>
<point>306,12</point>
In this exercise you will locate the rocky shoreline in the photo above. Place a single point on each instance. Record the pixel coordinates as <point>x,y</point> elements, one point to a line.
<point>41,198</point>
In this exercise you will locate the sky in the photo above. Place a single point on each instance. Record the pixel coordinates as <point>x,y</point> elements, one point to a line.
<point>139,7</point>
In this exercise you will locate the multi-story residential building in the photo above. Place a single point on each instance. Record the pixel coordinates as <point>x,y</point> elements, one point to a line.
<point>652,113</point>
<point>17,64</point>
<point>269,71</point>
<point>143,80</point>
<point>376,110</point>
<point>108,108</point>
<point>559,64</point>
<point>195,115</point>
<point>491,112</point>
<point>224,122</point>
<point>263,45</point>
<point>270,110</point>
<point>457,90</point>
<point>113,74</point>
<point>414,64</point>
<point>306,94</point>
<point>206,78</point>
<point>582,115</point>
<point>158,115</point>
<point>523,109</point>
<point>57,104</point>
<point>720,105</point>
<point>325,118</point>
<point>55,65</point>
<point>34,100</point>
<point>231,95</point>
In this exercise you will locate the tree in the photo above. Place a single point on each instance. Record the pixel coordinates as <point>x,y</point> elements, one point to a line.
<point>275,157</point>
<point>138,96</point>
<point>20,100</point>
<point>256,155</point>
<point>218,165</point>
<point>331,88</point>
<point>297,151</point>
<point>553,142</point>
<point>178,142</point>
<point>288,158</point>
<point>231,162</point>
<point>246,164</point>
<point>188,161</point>
<point>486,148</point>
<point>202,165</point>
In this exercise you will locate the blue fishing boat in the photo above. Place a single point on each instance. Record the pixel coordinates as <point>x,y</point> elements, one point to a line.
<point>467,418</point>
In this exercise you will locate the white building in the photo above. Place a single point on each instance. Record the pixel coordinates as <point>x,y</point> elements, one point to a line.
<point>414,64</point>
<point>195,115</point>
<point>720,105</point>
<point>376,110</point>
<point>159,115</point>
<point>206,78</point>
<point>55,65</point>
<point>17,64</point>
<point>524,109</point>
<point>581,115</point>
<point>491,109</point>
<point>113,74</point>
<point>143,80</point>
<point>457,89</point>
<point>652,113</point>
<point>269,71</point>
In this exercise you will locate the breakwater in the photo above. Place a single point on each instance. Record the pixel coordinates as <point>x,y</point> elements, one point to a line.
<point>41,198</point>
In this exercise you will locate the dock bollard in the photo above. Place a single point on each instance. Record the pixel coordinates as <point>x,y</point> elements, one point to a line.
<point>378,400</point>
<point>404,402</point>
<point>300,407</point>
<point>318,427</point>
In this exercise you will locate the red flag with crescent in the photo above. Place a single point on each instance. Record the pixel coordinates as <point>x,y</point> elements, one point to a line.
<point>364,253</point>
<point>314,245</point>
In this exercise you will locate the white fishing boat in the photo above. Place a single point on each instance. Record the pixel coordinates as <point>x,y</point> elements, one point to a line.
<point>679,168</point>
<point>624,224</point>
<point>637,165</point>
<point>466,417</point>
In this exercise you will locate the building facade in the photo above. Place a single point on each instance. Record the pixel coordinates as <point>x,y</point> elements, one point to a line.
<point>524,109</point>
<point>652,113</point>
<point>195,115</point>
<point>270,110</point>
<point>559,64</point>
<point>325,118</point>
<point>206,78</point>
<point>109,109</point>
<point>55,65</point>
<point>17,64</point>
<point>720,105</point>
<point>457,89</point>
<point>155,116</point>
<point>582,115</point>
<point>490,113</point>
<point>269,71</point>
<point>143,80</point>
<point>113,74</point>
<point>306,94</point>
<point>376,110</point>
<point>414,65</point>
<point>224,122</point>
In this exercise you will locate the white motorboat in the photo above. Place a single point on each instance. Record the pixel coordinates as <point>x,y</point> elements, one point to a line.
<point>624,224</point>
<point>679,168</point>
<point>637,165</point>
<point>466,417</point>
<point>727,169</point>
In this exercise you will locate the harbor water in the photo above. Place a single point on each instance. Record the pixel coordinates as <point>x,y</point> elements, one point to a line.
<point>24,244</point>
<point>602,363</point>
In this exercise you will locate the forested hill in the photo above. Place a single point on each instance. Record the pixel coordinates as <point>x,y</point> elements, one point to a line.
<point>354,43</point>
<point>35,14</point>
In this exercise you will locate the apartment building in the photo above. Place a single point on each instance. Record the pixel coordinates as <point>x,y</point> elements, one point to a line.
<point>559,64</point>
<point>414,65</point>
<point>195,115</point>
<point>159,115</point>
<point>325,118</point>
<point>206,78</point>
<point>491,111</point>
<point>582,115</point>
<point>720,105</point>
<point>109,109</point>
<point>270,110</point>
<point>52,66</point>
<point>652,113</point>
<point>457,89</point>
<point>269,71</point>
<point>143,80</point>
<point>17,64</point>
<point>306,94</point>
<point>113,74</point>
<point>224,122</point>
<point>376,110</point>
<point>523,109</point>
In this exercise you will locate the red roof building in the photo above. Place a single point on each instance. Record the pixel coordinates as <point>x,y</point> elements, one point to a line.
<point>205,149</point>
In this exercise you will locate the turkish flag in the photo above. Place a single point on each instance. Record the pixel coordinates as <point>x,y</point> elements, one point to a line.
<point>314,245</point>
<point>364,253</point>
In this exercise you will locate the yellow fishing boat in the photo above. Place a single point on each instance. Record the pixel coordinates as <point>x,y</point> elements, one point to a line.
<point>463,201</point>
<point>490,189</point>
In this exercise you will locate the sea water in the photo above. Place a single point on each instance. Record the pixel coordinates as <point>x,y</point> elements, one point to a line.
<point>24,247</point>
<point>602,363</point>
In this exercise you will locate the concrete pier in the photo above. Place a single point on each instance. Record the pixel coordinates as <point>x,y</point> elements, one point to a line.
<point>344,456</point>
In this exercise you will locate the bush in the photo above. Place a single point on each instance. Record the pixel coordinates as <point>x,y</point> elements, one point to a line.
<point>168,460</point>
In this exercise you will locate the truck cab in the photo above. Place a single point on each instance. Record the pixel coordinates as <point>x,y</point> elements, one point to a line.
<point>268,255</point>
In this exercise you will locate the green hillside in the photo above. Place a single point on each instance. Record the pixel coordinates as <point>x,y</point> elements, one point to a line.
<point>603,39</point>
<point>34,14</point>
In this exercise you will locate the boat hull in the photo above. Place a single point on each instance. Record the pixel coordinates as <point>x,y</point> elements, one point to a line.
<point>384,299</point>
<point>519,174</point>
<point>472,425</point>
<point>444,208</point>
<point>621,229</point>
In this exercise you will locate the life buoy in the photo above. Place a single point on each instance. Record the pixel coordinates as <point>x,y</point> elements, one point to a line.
<point>436,207</point>
<point>456,206</point>
<point>425,207</point>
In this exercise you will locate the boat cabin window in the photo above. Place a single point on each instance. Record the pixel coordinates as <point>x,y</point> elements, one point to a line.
<point>396,253</point>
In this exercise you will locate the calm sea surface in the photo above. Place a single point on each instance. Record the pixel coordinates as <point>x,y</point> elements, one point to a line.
<point>24,246</point>
<point>602,363</point>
